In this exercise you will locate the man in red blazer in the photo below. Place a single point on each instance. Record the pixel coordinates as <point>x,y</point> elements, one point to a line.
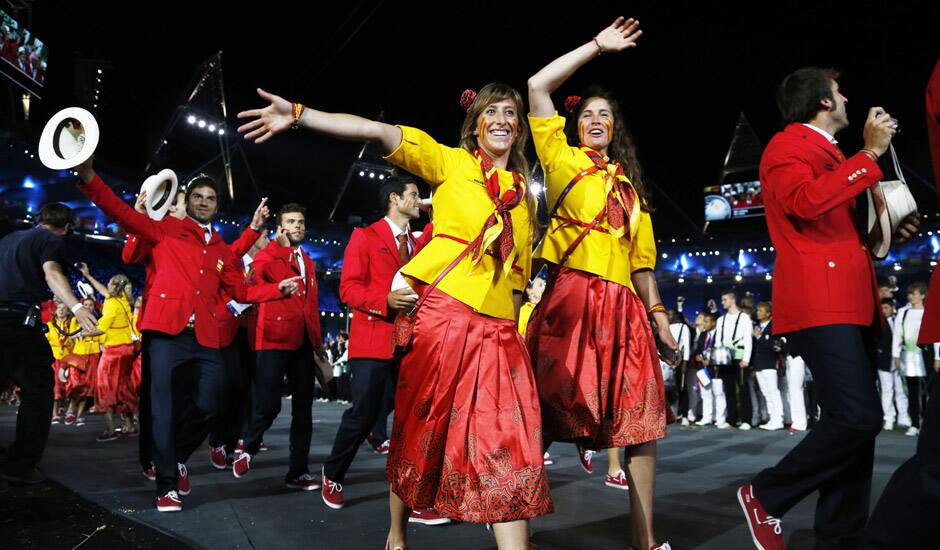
<point>285,336</point>
<point>191,265</point>
<point>373,256</point>
<point>825,300</point>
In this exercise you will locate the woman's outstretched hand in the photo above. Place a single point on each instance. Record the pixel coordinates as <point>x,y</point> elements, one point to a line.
<point>269,121</point>
<point>620,35</point>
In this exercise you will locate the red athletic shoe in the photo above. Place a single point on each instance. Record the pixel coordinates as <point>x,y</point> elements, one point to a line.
<point>332,493</point>
<point>547,459</point>
<point>240,447</point>
<point>382,449</point>
<point>427,517</point>
<point>217,457</point>
<point>586,458</point>
<point>618,481</point>
<point>56,419</point>
<point>169,502</point>
<point>182,481</point>
<point>150,473</point>
<point>305,482</point>
<point>241,465</point>
<point>69,419</point>
<point>263,447</point>
<point>765,529</point>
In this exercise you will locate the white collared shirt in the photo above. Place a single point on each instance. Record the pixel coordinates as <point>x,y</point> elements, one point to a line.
<point>829,137</point>
<point>299,258</point>
<point>396,231</point>
<point>206,227</point>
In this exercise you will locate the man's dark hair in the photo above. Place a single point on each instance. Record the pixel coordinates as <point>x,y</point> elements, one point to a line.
<point>709,315</point>
<point>291,207</point>
<point>396,185</point>
<point>55,214</point>
<point>800,93</point>
<point>765,305</point>
<point>887,301</point>
<point>202,180</point>
<point>731,292</point>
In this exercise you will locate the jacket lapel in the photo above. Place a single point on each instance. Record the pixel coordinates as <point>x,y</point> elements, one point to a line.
<point>385,234</point>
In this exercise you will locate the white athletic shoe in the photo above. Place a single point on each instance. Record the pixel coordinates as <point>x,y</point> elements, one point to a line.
<point>912,431</point>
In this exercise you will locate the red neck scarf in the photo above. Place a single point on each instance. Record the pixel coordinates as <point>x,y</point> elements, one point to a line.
<point>498,226</point>
<point>621,197</point>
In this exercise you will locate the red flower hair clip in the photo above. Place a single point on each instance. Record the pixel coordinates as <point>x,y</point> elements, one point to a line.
<point>572,103</point>
<point>466,99</point>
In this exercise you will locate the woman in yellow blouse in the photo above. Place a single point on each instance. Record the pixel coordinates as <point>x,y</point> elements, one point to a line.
<point>115,329</point>
<point>61,346</point>
<point>597,367</point>
<point>469,444</point>
<point>83,367</point>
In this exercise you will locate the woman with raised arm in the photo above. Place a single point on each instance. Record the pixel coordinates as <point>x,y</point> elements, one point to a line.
<point>595,357</point>
<point>467,440</point>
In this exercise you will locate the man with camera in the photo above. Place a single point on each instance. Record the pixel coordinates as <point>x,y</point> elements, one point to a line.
<point>825,302</point>
<point>32,262</point>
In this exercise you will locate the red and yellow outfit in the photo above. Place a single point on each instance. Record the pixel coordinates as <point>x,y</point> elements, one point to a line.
<point>595,357</point>
<point>467,438</point>
<point>131,390</point>
<point>61,347</point>
<point>117,358</point>
<point>83,372</point>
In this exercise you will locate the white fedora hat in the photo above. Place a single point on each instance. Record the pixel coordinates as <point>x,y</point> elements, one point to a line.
<point>161,192</point>
<point>69,139</point>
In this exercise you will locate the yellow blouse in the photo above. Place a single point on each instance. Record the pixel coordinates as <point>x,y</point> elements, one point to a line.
<point>461,206</point>
<point>61,346</point>
<point>525,312</point>
<point>115,322</point>
<point>87,345</point>
<point>613,259</point>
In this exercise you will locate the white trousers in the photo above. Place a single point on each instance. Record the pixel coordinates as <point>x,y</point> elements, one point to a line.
<point>796,373</point>
<point>894,397</point>
<point>767,380</point>
<point>713,397</point>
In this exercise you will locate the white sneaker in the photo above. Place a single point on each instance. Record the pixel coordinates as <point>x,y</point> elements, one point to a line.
<point>723,426</point>
<point>771,426</point>
<point>702,422</point>
<point>744,426</point>
<point>685,422</point>
<point>904,423</point>
<point>888,426</point>
<point>912,431</point>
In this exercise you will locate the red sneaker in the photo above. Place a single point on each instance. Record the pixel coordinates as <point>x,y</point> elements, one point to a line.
<point>69,419</point>
<point>240,447</point>
<point>332,493</point>
<point>182,481</point>
<point>617,481</point>
<point>263,447</point>
<point>766,531</point>
<point>150,473</point>
<point>382,449</point>
<point>241,465</point>
<point>427,517</point>
<point>305,482</point>
<point>56,419</point>
<point>217,457</point>
<point>547,459</point>
<point>169,502</point>
<point>586,458</point>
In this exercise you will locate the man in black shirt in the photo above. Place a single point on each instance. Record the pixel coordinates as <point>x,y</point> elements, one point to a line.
<point>32,264</point>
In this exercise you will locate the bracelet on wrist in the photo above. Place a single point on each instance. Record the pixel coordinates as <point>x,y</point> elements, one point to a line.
<point>76,307</point>
<point>871,154</point>
<point>297,110</point>
<point>600,50</point>
<point>656,308</point>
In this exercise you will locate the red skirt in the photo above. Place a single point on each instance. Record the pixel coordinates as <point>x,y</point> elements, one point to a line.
<point>81,370</point>
<point>466,438</point>
<point>129,393</point>
<point>596,364</point>
<point>114,370</point>
<point>60,385</point>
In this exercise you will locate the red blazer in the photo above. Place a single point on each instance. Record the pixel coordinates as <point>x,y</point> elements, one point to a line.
<point>369,265</point>
<point>283,324</point>
<point>823,273</point>
<point>187,273</point>
<point>137,251</point>
<point>930,326</point>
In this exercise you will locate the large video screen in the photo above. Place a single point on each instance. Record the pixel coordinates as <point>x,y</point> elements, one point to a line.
<point>22,54</point>
<point>732,201</point>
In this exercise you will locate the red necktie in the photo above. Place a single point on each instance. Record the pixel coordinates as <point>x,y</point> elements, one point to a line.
<point>403,254</point>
